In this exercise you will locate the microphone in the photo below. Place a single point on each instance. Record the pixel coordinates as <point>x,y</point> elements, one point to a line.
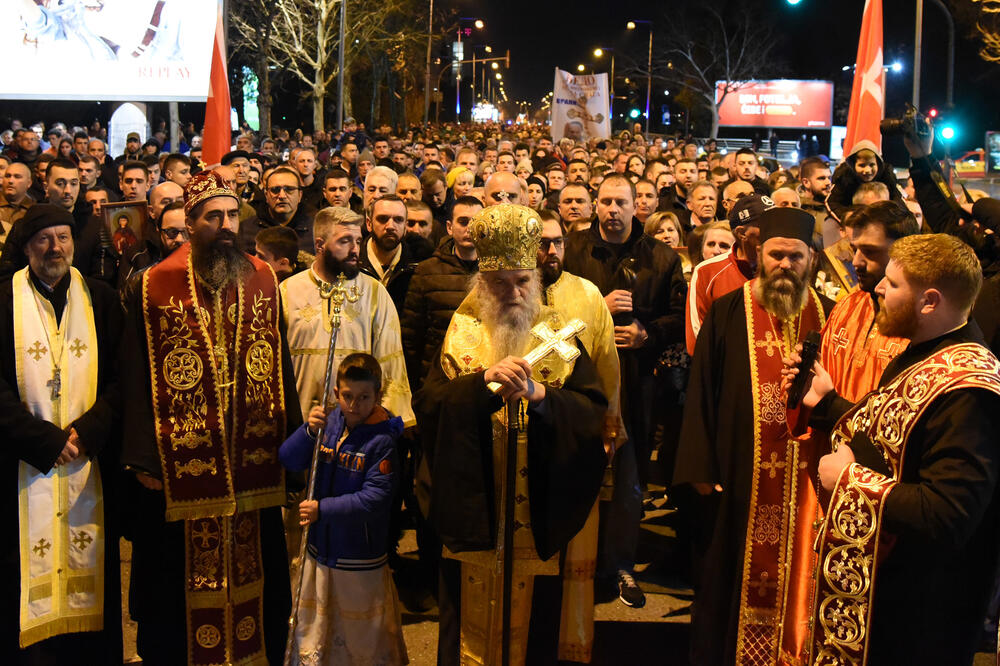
<point>810,351</point>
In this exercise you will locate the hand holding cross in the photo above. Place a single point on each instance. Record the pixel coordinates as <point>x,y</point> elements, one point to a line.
<point>511,377</point>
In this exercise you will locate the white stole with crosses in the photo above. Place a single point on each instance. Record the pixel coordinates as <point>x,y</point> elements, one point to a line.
<point>61,519</point>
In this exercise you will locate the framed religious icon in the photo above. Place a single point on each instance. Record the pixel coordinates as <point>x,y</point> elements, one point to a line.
<point>124,221</point>
<point>836,276</point>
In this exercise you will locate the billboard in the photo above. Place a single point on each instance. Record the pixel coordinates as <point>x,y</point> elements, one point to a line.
<point>784,103</point>
<point>151,50</point>
<point>580,106</point>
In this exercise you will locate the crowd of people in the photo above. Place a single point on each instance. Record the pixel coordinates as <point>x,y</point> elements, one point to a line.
<point>166,326</point>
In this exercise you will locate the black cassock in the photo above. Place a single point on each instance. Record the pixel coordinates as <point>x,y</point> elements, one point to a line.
<point>39,443</point>
<point>156,593</point>
<point>716,447</point>
<point>932,586</point>
<point>566,458</point>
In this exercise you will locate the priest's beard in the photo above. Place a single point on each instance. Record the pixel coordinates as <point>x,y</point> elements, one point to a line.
<point>53,266</point>
<point>509,324</point>
<point>333,267</point>
<point>898,322</point>
<point>782,293</point>
<point>221,262</point>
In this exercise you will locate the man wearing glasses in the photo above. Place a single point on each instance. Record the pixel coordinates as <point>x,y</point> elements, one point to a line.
<point>282,196</point>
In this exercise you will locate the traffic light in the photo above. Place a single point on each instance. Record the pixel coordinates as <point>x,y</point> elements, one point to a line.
<point>948,132</point>
<point>634,113</point>
<point>932,113</point>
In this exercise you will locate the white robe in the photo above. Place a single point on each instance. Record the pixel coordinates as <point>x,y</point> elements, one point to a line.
<point>370,324</point>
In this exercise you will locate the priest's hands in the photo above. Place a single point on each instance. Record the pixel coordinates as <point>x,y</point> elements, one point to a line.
<point>632,336</point>
<point>619,301</point>
<point>148,482</point>
<point>308,512</point>
<point>706,488</point>
<point>71,449</point>
<point>514,376</point>
<point>820,385</point>
<point>832,465</point>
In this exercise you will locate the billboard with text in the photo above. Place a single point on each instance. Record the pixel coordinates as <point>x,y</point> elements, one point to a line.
<point>785,103</point>
<point>150,50</point>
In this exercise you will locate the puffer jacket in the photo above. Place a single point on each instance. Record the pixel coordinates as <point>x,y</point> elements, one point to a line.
<point>354,487</point>
<point>846,181</point>
<point>438,286</point>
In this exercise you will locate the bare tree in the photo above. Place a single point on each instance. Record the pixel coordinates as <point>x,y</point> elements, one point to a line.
<point>723,42</point>
<point>305,38</point>
<point>253,21</point>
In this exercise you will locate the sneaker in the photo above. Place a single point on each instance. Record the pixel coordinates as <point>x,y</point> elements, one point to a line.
<point>629,591</point>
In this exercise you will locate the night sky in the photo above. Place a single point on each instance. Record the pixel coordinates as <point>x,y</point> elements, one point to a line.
<point>817,39</point>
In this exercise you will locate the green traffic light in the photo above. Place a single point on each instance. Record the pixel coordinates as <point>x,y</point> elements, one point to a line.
<point>947,132</point>
<point>634,113</point>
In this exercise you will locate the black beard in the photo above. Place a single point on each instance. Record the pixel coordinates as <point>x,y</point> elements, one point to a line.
<point>386,243</point>
<point>221,263</point>
<point>334,267</point>
<point>550,272</point>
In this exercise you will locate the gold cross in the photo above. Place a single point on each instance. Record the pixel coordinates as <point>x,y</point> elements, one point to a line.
<point>773,466</point>
<point>81,539</point>
<point>337,294</point>
<point>37,350</point>
<point>78,347</point>
<point>551,341</point>
<point>889,352</point>
<point>763,584</point>
<point>204,535</point>
<point>41,547</point>
<point>840,340</point>
<point>770,343</point>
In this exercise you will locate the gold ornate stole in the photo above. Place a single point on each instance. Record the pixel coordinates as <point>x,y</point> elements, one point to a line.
<point>779,485</point>
<point>849,545</point>
<point>61,513</point>
<point>218,406</point>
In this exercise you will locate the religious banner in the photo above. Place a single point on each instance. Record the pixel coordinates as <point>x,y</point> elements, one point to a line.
<point>581,107</point>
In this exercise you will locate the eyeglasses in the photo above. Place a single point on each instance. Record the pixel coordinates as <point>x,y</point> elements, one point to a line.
<point>173,233</point>
<point>287,189</point>
<point>545,243</point>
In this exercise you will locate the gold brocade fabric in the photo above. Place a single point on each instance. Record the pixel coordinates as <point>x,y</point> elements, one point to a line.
<point>850,536</point>
<point>467,349</point>
<point>573,296</point>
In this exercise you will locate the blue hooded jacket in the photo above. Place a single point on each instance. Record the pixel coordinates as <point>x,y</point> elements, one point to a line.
<point>354,487</point>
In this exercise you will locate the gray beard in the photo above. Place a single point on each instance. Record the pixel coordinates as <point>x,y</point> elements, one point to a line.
<point>509,327</point>
<point>782,295</point>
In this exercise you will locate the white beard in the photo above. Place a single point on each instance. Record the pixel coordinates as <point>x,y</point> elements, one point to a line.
<point>508,326</point>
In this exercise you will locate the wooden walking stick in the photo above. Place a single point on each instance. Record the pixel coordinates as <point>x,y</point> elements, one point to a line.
<point>551,341</point>
<point>337,294</point>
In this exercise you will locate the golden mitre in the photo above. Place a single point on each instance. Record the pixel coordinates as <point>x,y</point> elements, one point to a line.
<point>506,237</point>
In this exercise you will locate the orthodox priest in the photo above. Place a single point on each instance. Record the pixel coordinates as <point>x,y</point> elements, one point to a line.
<point>59,406</point>
<point>737,451</point>
<point>560,453</point>
<point>910,543</point>
<point>213,398</point>
<point>369,322</point>
<point>854,351</point>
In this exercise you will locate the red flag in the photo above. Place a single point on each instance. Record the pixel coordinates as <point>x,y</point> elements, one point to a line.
<point>217,139</point>
<point>868,93</point>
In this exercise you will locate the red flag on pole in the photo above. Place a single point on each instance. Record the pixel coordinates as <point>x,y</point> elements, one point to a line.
<point>218,127</point>
<point>868,94</point>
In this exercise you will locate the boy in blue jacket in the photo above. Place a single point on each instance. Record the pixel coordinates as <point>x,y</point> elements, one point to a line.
<point>349,611</point>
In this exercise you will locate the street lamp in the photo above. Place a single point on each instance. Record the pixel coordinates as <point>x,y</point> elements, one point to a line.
<point>458,78</point>
<point>580,68</point>
<point>649,65</point>
<point>599,53</point>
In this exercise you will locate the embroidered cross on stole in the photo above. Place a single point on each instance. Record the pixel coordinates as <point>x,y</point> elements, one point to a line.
<point>779,488</point>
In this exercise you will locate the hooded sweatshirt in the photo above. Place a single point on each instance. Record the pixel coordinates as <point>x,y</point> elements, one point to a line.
<point>846,181</point>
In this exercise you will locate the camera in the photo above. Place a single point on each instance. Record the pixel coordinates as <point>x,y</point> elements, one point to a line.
<point>912,124</point>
